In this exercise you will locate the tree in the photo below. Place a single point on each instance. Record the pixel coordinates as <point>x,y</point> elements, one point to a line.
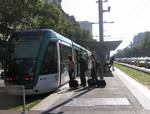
<point>16,13</point>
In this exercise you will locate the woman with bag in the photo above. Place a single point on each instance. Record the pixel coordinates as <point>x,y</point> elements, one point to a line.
<point>73,84</point>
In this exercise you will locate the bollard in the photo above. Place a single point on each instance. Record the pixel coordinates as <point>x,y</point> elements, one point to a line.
<point>24,100</point>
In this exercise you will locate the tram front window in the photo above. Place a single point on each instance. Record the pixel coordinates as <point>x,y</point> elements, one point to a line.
<point>23,54</point>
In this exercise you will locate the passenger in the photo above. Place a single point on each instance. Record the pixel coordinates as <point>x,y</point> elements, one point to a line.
<point>99,69</point>
<point>93,69</point>
<point>112,62</point>
<point>83,69</point>
<point>71,66</point>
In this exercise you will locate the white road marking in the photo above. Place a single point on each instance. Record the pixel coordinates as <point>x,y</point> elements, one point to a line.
<point>98,102</point>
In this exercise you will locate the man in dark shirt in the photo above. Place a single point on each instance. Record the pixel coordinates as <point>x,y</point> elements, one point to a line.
<point>83,68</point>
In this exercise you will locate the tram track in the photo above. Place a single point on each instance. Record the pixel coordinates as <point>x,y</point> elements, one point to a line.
<point>141,75</point>
<point>135,67</point>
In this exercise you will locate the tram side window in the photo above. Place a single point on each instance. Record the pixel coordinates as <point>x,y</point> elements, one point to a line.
<point>65,51</point>
<point>49,64</point>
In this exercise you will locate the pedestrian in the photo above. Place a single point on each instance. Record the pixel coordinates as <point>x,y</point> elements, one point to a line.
<point>71,68</point>
<point>112,62</point>
<point>99,69</point>
<point>93,69</point>
<point>83,69</point>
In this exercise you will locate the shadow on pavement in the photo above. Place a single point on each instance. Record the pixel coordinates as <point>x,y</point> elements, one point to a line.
<point>8,101</point>
<point>108,74</point>
<point>65,102</point>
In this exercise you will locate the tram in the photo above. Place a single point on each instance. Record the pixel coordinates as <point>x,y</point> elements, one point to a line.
<point>38,60</point>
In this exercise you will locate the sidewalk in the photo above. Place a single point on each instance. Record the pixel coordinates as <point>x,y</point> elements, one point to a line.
<point>122,95</point>
<point>118,97</point>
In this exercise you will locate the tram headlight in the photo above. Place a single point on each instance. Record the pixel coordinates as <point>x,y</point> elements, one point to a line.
<point>27,77</point>
<point>12,77</point>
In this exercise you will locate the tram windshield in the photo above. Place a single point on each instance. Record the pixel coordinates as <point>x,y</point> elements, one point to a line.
<point>26,46</point>
<point>23,53</point>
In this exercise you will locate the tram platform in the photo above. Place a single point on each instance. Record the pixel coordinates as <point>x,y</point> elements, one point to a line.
<point>122,95</point>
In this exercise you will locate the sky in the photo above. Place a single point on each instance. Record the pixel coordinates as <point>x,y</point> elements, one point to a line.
<point>130,17</point>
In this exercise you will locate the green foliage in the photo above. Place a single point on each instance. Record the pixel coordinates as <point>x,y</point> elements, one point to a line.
<point>15,14</point>
<point>18,15</point>
<point>48,17</point>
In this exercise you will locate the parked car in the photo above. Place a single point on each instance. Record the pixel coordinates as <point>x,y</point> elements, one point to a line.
<point>147,63</point>
<point>140,62</point>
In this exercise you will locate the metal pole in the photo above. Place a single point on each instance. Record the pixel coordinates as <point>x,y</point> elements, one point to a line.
<point>24,99</point>
<point>100,10</point>
<point>101,40</point>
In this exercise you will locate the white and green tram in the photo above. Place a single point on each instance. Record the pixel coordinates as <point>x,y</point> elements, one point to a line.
<point>38,59</point>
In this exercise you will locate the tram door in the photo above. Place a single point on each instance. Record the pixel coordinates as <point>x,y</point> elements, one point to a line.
<point>49,64</point>
<point>65,51</point>
<point>76,59</point>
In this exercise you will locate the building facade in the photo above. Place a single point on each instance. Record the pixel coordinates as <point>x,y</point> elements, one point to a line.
<point>86,25</point>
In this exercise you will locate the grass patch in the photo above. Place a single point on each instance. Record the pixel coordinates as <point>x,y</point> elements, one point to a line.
<point>17,104</point>
<point>32,104</point>
<point>29,104</point>
<point>141,77</point>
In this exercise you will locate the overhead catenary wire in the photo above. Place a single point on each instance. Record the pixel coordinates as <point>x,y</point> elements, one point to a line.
<point>138,10</point>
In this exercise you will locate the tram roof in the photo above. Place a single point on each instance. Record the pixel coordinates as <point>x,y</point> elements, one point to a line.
<point>54,35</point>
<point>60,37</point>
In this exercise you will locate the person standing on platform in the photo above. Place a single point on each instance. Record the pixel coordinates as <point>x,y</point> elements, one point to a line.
<point>112,62</point>
<point>71,66</point>
<point>83,69</point>
<point>93,70</point>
